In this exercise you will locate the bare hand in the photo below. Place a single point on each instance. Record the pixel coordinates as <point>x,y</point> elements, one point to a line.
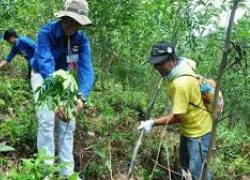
<point>79,105</point>
<point>61,113</point>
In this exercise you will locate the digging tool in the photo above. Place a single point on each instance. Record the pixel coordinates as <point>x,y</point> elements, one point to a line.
<point>139,141</point>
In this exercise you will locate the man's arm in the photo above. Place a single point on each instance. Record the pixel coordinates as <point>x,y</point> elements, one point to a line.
<point>9,58</point>
<point>168,119</point>
<point>11,55</point>
<point>180,98</point>
<point>85,69</point>
<point>43,55</point>
<point>29,42</point>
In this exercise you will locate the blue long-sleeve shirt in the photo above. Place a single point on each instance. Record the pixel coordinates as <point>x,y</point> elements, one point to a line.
<point>52,51</point>
<point>23,46</point>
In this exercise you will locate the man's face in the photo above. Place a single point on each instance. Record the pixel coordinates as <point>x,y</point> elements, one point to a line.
<point>70,26</point>
<point>11,40</point>
<point>165,67</point>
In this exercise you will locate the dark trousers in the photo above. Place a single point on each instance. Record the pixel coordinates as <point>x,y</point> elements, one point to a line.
<point>193,152</point>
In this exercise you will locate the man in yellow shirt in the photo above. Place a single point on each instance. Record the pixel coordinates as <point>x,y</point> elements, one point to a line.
<point>188,109</point>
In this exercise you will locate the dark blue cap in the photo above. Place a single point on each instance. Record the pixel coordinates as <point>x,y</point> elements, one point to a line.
<point>161,52</point>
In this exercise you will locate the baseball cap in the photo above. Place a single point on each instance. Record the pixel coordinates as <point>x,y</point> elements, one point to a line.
<point>160,52</point>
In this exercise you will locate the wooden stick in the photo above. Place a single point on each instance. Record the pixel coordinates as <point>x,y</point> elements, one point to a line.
<point>167,168</point>
<point>110,161</point>
<point>158,154</point>
<point>222,68</point>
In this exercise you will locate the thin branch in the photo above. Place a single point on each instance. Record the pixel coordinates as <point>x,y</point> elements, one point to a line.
<point>158,154</point>
<point>87,163</point>
<point>223,65</point>
<point>223,118</point>
<point>167,168</point>
<point>110,161</point>
<point>229,66</point>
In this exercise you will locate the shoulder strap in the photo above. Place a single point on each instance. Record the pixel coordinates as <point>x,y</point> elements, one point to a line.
<point>188,75</point>
<point>192,103</point>
<point>199,107</point>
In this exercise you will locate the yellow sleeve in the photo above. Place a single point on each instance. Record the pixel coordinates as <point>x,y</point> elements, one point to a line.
<point>179,96</point>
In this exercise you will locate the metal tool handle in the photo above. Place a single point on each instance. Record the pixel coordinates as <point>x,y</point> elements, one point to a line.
<point>132,163</point>
<point>139,141</point>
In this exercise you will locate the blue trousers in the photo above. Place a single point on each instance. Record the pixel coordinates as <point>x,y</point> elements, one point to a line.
<point>193,152</point>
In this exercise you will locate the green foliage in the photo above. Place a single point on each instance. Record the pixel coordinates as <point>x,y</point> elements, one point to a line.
<point>2,103</point>
<point>232,152</point>
<point>17,115</point>
<point>121,37</point>
<point>35,168</point>
<point>29,14</point>
<point>59,90</point>
<point>5,148</point>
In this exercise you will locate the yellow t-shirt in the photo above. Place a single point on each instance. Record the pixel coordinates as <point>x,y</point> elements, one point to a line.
<point>183,91</point>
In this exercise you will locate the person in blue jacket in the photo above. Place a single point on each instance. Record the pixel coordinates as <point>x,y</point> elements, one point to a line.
<point>61,45</point>
<point>22,45</point>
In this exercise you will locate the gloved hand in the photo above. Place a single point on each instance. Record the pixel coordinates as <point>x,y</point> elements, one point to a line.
<point>146,125</point>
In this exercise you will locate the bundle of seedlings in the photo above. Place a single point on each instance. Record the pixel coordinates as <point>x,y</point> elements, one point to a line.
<point>59,91</point>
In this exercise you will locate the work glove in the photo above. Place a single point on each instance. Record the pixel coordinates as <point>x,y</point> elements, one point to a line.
<point>146,125</point>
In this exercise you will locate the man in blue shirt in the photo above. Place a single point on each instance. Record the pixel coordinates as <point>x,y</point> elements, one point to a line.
<point>60,45</point>
<point>22,45</point>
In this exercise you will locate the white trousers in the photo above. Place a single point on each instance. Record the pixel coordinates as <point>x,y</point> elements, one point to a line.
<point>48,123</point>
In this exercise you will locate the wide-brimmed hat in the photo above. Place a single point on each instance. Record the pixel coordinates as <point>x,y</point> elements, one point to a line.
<point>76,9</point>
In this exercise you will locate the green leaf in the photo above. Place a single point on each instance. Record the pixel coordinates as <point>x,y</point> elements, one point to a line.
<point>5,148</point>
<point>2,102</point>
<point>74,176</point>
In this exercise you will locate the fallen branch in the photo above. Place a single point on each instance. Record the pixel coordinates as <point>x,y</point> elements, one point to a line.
<point>166,168</point>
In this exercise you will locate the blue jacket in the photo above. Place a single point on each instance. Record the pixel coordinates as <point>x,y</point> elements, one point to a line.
<point>52,50</point>
<point>24,46</point>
